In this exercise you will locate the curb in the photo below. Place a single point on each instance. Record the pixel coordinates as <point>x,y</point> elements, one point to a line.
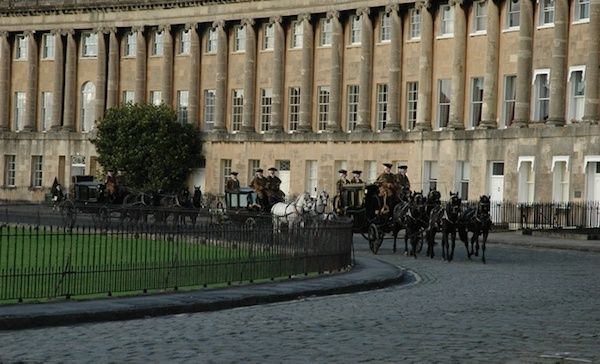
<point>366,274</point>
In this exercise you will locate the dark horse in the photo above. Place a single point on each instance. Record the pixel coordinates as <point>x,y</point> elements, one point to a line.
<point>382,218</point>
<point>416,221</point>
<point>185,207</point>
<point>197,197</point>
<point>435,211</point>
<point>477,221</point>
<point>58,194</point>
<point>450,225</point>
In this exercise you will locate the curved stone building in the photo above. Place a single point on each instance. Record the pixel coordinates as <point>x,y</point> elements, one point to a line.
<point>496,97</point>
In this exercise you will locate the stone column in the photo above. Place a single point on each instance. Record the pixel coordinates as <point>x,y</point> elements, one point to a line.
<point>457,104</point>
<point>490,81</point>
<point>249,77</point>
<point>194,86</point>
<point>70,80</point>
<point>167,80</point>
<point>112,94</point>
<point>276,125</point>
<point>393,123</point>
<point>140,65</point>
<point>306,86</point>
<point>524,62</point>
<point>558,74</point>
<point>335,85</point>
<point>101,75</point>
<point>592,99</point>
<point>5,60</point>
<point>363,123</point>
<point>425,71</point>
<point>221,89</point>
<point>59,73</point>
<point>32,82</point>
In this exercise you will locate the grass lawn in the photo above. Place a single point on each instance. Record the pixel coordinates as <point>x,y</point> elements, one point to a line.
<point>45,263</point>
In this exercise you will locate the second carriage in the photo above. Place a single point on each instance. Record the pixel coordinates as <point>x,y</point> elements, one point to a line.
<point>371,217</point>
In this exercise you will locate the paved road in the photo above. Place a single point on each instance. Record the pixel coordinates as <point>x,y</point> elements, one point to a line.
<point>523,305</point>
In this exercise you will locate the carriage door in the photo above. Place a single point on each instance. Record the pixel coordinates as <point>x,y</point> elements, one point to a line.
<point>496,190</point>
<point>284,175</point>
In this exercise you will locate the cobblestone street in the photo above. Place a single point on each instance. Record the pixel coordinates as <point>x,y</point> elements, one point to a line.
<point>523,305</point>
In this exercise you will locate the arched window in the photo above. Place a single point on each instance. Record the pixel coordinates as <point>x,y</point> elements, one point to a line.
<point>88,96</point>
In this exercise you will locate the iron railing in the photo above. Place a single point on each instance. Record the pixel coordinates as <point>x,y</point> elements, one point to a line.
<point>44,262</point>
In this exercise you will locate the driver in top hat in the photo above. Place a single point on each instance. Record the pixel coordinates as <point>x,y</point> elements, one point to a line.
<point>402,179</point>
<point>387,185</point>
<point>233,184</point>
<point>259,185</point>
<point>356,177</point>
<point>274,193</point>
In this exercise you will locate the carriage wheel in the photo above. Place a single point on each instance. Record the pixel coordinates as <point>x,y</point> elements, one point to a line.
<point>374,238</point>
<point>250,223</point>
<point>67,211</point>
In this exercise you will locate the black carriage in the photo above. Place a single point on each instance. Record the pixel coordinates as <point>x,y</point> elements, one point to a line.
<point>241,208</point>
<point>88,196</point>
<point>371,217</point>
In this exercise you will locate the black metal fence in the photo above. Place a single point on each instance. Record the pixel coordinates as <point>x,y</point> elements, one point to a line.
<point>544,216</point>
<point>44,262</point>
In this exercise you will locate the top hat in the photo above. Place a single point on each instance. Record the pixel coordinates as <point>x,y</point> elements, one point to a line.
<point>343,171</point>
<point>273,169</point>
<point>389,165</point>
<point>259,170</point>
<point>356,172</point>
<point>403,167</point>
<point>234,173</point>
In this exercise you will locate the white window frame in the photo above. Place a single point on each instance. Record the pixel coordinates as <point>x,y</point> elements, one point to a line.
<point>88,106</point>
<point>182,106</point>
<point>443,105</point>
<point>293,108</point>
<point>297,34</point>
<point>158,43</point>
<point>253,165</point>
<point>446,21</point>
<point>370,171</point>
<point>430,175</point>
<point>412,101</point>
<point>385,28</point>
<point>546,16</point>
<point>48,40</point>
<point>37,171</point>
<point>576,100</point>
<point>21,47</point>
<point>312,177</point>
<point>463,179</point>
<point>355,29</point>
<point>128,96</point>
<point>10,170</point>
<point>20,104</point>
<point>382,106</point>
<point>237,109</point>
<point>46,104</point>
<point>268,37</point>
<point>513,11</point>
<point>156,98</point>
<point>415,24</point>
<point>266,108</point>
<point>323,98</point>
<point>352,107</point>
<point>210,98</point>
<point>541,101</point>
<point>89,44</point>
<point>326,31</point>
<point>130,46</point>
<point>526,173</point>
<point>480,9</point>
<point>582,11</point>
<point>225,173</point>
<point>508,105</point>
<point>476,102</point>
<point>560,178</point>
<point>211,41</point>
<point>185,41</point>
<point>239,33</point>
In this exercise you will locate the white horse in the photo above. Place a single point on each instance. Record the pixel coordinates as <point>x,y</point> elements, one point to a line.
<point>292,212</point>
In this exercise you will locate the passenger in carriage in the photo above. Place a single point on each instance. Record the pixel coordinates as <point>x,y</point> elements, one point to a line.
<point>387,186</point>
<point>402,179</point>
<point>274,193</point>
<point>233,184</point>
<point>259,185</point>
<point>356,177</point>
<point>342,180</point>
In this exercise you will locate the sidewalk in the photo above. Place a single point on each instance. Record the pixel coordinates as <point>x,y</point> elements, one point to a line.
<point>368,273</point>
<point>516,238</point>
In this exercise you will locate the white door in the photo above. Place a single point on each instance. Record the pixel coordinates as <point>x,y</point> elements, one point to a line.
<point>596,184</point>
<point>496,190</point>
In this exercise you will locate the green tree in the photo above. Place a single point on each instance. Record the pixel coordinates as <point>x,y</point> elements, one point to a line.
<point>147,144</point>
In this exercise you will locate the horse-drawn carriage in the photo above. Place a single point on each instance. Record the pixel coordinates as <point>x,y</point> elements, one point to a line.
<point>371,217</point>
<point>241,208</point>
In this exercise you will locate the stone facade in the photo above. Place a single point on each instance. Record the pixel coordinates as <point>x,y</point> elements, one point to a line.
<point>498,96</point>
